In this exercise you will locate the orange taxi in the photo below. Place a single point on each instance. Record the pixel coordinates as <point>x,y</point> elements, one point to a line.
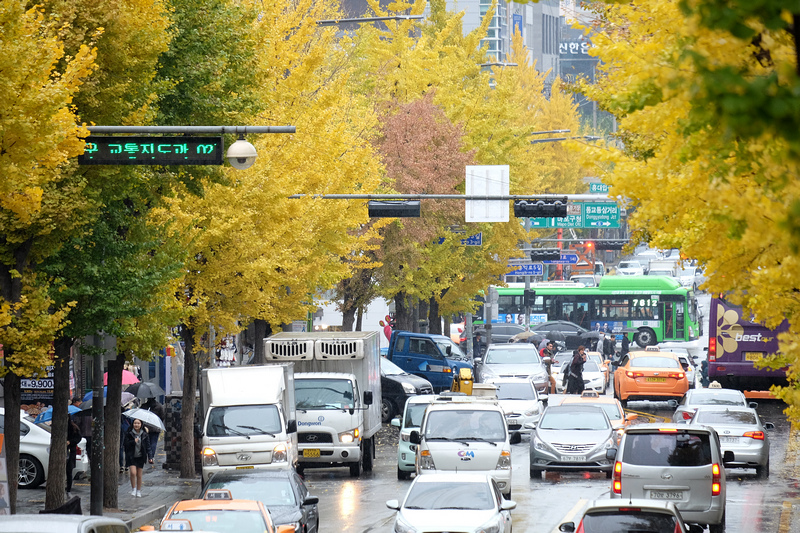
<point>649,375</point>
<point>613,408</point>
<point>219,512</point>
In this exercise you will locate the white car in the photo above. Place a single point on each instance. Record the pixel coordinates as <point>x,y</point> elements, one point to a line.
<point>630,268</point>
<point>593,377</point>
<point>34,451</point>
<point>628,515</point>
<point>520,403</point>
<point>468,503</point>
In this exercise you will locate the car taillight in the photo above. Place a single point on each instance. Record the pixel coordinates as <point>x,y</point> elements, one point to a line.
<point>687,415</point>
<point>632,374</point>
<point>758,435</point>
<point>80,452</point>
<point>716,487</point>
<point>617,485</point>
<point>712,349</point>
<point>677,375</point>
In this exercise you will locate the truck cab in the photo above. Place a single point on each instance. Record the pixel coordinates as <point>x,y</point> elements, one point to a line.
<point>433,357</point>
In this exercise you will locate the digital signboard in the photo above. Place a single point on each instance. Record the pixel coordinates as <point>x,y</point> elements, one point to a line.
<point>125,150</point>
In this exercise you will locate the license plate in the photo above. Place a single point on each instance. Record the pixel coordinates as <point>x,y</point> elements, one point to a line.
<point>666,495</point>
<point>656,380</point>
<point>245,467</point>
<point>311,452</point>
<point>753,356</point>
<point>573,458</point>
<point>729,440</point>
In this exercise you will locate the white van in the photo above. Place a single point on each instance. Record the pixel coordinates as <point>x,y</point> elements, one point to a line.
<point>462,433</point>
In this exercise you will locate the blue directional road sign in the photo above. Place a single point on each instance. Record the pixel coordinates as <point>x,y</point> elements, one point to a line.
<point>526,269</point>
<point>565,259</point>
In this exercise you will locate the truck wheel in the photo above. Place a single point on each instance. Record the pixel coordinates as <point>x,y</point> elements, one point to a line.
<point>387,410</point>
<point>368,455</point>
<point>355,468</point>
<point>645,337</point>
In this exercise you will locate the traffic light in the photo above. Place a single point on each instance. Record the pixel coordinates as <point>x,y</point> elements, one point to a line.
<point>398,208</point>
<point>610,245</point>
<point>528,298</point>
<point>589,246</point>
<point>541,208</point>
<point>545,254</point>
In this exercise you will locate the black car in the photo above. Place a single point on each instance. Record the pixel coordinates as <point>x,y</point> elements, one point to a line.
<point>569,333</point>
<point>396,386</point>
<point>500,333</point>
<point>283,493</point>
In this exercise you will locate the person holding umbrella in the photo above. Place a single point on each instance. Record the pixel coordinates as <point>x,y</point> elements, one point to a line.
<point>137,451</point>
<point>156,408</point>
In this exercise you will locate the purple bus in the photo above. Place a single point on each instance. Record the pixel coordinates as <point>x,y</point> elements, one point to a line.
<point>734,343</point>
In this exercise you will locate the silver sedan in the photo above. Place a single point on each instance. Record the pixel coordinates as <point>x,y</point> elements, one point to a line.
<point>740,431</point>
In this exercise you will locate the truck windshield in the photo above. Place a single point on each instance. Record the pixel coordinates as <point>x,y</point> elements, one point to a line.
<point>324,393</point>
<point>243,421</point>
<point>455,352</point>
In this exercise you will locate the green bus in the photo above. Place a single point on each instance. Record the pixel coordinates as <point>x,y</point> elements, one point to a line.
<point>654,308</point>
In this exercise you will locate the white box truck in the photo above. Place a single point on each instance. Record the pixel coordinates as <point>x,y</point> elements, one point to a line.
<point>250,418</point>
<point>338,395</point>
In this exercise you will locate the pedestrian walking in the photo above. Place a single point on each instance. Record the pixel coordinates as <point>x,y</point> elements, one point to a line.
<point>626,344</point>
<point>73,439</point>
<point>575,379</point>
<point>704,381</point>
<point>156,408</point>
<point>137,450</point>
<point>477,345</point>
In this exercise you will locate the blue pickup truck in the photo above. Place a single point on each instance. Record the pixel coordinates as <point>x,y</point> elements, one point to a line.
<point>433,357</point>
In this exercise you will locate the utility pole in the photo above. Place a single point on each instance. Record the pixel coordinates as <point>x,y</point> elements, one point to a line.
<point>98,423</point>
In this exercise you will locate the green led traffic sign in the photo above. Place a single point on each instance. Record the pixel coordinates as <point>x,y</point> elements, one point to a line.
<point>108,150</point>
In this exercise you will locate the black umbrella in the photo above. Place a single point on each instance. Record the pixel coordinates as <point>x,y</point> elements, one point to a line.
<point>146,389</point>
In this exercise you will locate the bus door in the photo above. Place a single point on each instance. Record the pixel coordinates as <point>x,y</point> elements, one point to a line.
<point>668,312</point>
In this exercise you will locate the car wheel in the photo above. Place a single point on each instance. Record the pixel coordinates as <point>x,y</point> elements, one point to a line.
<point>387,410</point>
<point>402,474</point>
<point>762,472</point>
<point>717,528</point>
<point>609,474</point>
<point>300,470</point>
<point>31,473</point>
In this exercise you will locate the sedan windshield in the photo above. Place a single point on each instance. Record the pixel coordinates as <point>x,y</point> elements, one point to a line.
<point>390,369</point>
<point>716,398</point>
<point>449,495</point>
<point>704,416</point>
<point>512,357</point>
<point>270,492</point>
<point>584,420</point>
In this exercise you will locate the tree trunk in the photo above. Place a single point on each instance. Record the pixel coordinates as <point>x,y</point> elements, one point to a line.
<point>360,318</point>
<point>348,318</point>
<point>261,330</point>
<point>434,320</point>
<point>12,400</point>
<point>188,403</point>
<point>402,313</point>
<point>57,468</point>
<point>113,416</point>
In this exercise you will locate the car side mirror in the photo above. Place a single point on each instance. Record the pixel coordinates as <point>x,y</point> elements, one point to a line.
<point>311,500</point>
<point>567,527</point>
<point>728,457</point>
<point>367,397</point>
<point>515,438</point>
<point>393,504</point>
<point>673,404</point>
<point>478,360</point>
<point>547,360</point>
<point>291,426</point>
<point>414,438</point>
<point>395,422</point>
<point>631,417</point>
<point>769,425</point>
<point>529,425</point>
<point>507,505</point>
<point>753,405</point>
<point>611,454</point>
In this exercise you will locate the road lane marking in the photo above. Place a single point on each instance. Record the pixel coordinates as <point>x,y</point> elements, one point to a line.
<point>570,516</point>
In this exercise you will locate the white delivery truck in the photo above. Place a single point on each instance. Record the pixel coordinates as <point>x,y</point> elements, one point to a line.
<point>338,395</point>
<point>249,418</point>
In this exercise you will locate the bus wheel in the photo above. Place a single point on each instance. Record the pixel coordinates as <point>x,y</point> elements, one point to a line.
<point>645,337</point>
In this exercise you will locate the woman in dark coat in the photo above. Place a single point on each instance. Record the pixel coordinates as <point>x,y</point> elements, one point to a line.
<point>137,450</point>
<point>575,378</point>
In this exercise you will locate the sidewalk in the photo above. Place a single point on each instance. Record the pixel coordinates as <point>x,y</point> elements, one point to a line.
<point>160,489</point>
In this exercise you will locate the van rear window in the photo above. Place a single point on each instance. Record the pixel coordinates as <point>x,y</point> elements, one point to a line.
<point>667,449</point>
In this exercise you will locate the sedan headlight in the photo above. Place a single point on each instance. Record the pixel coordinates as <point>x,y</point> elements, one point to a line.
<point>348,436</point>
<point>532,411</point>
<point>209,457</point>
<point>401,526</point>
<point>495,525</point>
<point>487,372</point>
<point>408,388</point>
<point>538,376</point>
<point>539,444</point>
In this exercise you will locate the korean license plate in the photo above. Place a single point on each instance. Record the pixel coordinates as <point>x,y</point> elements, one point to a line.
<point>245,467</point>
<point>729,440</point>
<point>573,458</point>
<point>311,452</point>
<point>666,495</point>
<point>753,356</point>
<point>656,380</point>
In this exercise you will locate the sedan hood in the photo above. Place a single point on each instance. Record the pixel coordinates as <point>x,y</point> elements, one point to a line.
<point>284,514</point>
<point>526,369</point>
<point>416,381</point>
<point>451,520</point>
<point>572,436</point>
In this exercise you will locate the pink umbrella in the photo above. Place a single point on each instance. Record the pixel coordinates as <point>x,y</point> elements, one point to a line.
<point>128,378</point>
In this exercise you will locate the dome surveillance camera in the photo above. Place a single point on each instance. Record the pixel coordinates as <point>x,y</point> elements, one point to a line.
<point>241,154</point>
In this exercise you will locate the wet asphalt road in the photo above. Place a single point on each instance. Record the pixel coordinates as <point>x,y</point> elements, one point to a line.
<point>359,505</point>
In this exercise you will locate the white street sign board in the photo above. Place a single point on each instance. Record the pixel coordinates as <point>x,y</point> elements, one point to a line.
<point>488,180</point>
